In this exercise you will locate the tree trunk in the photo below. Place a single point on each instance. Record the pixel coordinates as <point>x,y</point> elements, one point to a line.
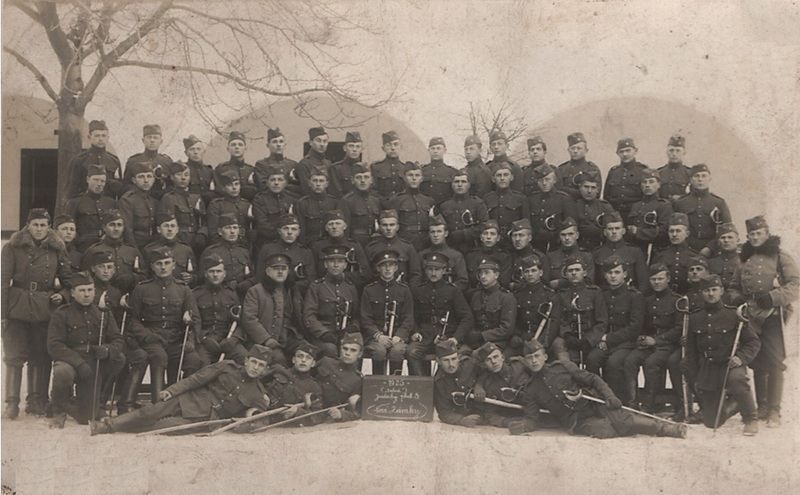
<point>70,128</point>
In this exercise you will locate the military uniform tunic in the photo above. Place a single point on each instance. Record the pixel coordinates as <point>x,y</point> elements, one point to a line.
<point>279,161</point>
<point>246,173</point>
<point>651,217</point>
<point>506,206</point>
<point>507,385</point>
<point>238,207</point>
<point>159,162</point>
<point>389,176</point>
<point>413,212</point>
<point>201,177</point>
<point>87,209</point>
<point>456,271</point>
<point>558,259</point>
<point>338,381</point>
<point>311,211</point>
<point>569,170</point>
<point>480,178</point>
<point>455,210</point>
<point>706,211</point>
<point>624,186</point>
<point>157,309</point>
<point>361,210</point>
<point>357,272</point>
<point>678,258</point>
<point>306,166</point>
<point>238,264</point>
<point>409,270</point>
<point>95,156</point>
<point>437,180</point>
<point>189,210</point>
<point>129,265</point>
<point>675,180</point>
<point>214,303</point>
<point>268,208</point>
<point>590,221</point>
<point>433,302</point>
<point>138,210</point>
<point>591,307</point>
<point>495,311</point>
<point>530,300</point>
<point>327,302</point>
<point>341,174</point>
<point>635,263</point>
<point>460,382</point>
<point>303,266</point>
<point>548,210</point>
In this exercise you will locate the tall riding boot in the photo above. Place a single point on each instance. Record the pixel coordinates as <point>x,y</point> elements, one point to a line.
<point>652,427</point>
<point>60,404</point>
<point>156,382</point>
<point>648,398</point>
<point>774,397</point>
<point>12,387</point>
<point>395,367</point>
<point>631,388</point>
<point>130,390</point>
<point>416,367</point>
<point>378,367</point>
<point>35,402</point>
<point>760,382</point>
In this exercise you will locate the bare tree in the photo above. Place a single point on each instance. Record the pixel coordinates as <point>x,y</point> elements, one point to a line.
<point>488,117</point>
<point>270,50</point>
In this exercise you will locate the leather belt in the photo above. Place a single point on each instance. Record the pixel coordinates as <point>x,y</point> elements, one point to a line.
<point>30,286</point>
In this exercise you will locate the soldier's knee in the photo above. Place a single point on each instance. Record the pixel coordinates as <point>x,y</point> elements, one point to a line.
<point>63,374</point>
<point>397,352</point>
<point>326,349</point>
<point>415,351</point>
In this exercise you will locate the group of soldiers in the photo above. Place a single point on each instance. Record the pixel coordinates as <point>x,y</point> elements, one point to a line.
<point>252,287</point>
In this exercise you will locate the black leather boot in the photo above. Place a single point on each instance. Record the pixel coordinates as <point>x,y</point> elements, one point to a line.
<point>12,387</point>
<point>35,402</point>
<point>774,398</point>
<point>130,390</point>
<point>156,382</point>
<point>760,383</point>
<point>652,427</point>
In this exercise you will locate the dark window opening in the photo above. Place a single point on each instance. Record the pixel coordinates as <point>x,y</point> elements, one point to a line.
<point>38,181</point>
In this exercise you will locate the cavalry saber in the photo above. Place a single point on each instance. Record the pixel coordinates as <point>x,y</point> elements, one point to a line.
<point>626,408</point>
<point>682,305</point>
<point>444,324</point>
<point>255,417</point>
<point>189,426</point>
<point>574,304</point>
<point>236,312</point>
<point>302,416</point>
<point>391,332</point>
<point>740,312</point>
<point>183,347</point>
<point>545,319</point>
<point>102,307</point>
<point>346,312</point>
<point>114,386</point>
<point>463,396</point>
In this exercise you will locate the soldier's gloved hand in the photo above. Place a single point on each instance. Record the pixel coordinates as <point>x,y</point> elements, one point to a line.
<point>646,341</point>
<point>479,393</point>
<point>396,340</point>
<point>211,344</point>
<point>469,421</point>
<point>352,401</point>
<point>328,337</point>
<point>84,372</point>
<point>228,344</point>
<point>101,352</point>
<point>417,337</point>
<point>56,299</point>
<point>186,278</point>
<point>764,300</point>
<point>602,345</point>
<point>290,412</point>
<point>734,362</point>
<point>516,427</point>
<point>335,414</point>
<point>613,402</point>
<point>384,341</point>
<point>164,395</point>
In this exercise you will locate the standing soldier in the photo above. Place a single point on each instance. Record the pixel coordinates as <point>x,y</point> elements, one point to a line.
<point>35,267</point>
<point>129,265</point>
<point>276,142</point>
<point>96,154</point>
<point>64,225</point>
<point>648,220</point>
<point>568,236</point>
<point>437,176</point>
<point>341,173</point>
<point>498,143</point>
<point>494,310</point>
<point>315,159</point>
<point>87,208</point>
<point>537,151</point>
<point>480,177</point>
<point>238,264</point>
<point>138,207</point>
<point>706,211</point>
<point>535,303</point>
<point>455,375</point>
<point>159,162</point>
<point>505,205</point>
<point>188,207</point>
<point>624,181</point>
<point>357,272</point>
<point>577,164</point>
<point>311,208</point>
<point>464,214</point>
<point>185,260</point>
<point>409,270</point>
<point>302,262</point>
<point>549,207</point>
<point>456,272</point>
<point>361,206</point>
<point>591,211</point>
<point>217,305</point>
<point>243,171</point>
<point>678,255</point>
<point>413,209</point>
<point>521,237</point>
<point>635,263</point>
<point>768,281</point>
<point>232,203</point>
<point>201,175</point>
<point>489,248</point>
<point>389,173</point>
<point>727,260</point>
<point>340,379</point>
<point>271,204</point>
<point>674,175</point>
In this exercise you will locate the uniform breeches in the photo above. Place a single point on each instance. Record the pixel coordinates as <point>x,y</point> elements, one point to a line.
<point>378,352</point>
<point>142,419</point>
<point>773,351</point>
<point>25,342</point>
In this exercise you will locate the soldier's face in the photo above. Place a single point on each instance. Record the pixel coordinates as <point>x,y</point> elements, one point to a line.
<point>350,353</point>
<point>236,148</point>
<point>104,271</point>
<point>98,139</point>
<point>114,229</point>
<point>589,191</point>
<point>677,233</point>
<point>547,183</point>
<point>392,149</point>
<point>700,180</point>
<point>233,189</point>
<point>413,178</point>
<point>532,275</point>
<point>487,277</point>
<point>96,183</point>
<point>614,231</point>
<point>336,228</point>
<point>215,275</point>
<point>229,233</point>
<point>335,266</point>
<point>152,142</point>
<point>535,362</point>
<point>181,179</point>
<point>437,234</point>
<point>697,273</point>
<point>537,153</point>
<point>449,364</point>
<point>615,276</point>
<point>494,361</point>
<point>659,281</point>
<point>38,228</point>
<point>460,184</point>
<point>362,181</point>
<point>437,151</point>
<point>254,367</point>
<point>168,230</point>
<point>499,147</point>
<point>66,231</point>
<point>318,184</point>
<point>276,145</point>
<point>521,238</point>
<point>319,143</point>
<point>387,270</point>
<point>472,152</point>
<point>289,233</point>
<point>712,295</point>
<point>728,242</point>
<point>83,294</point>
<point>758,237</point>
<point>675,154</point>
<point>279,273</point>
<point>650,186</point>
<point>577,151</point>
<point>434,273</point>
<point>353,150</point>
<point>627,155</point>
<point>502,178</point>
<point>195,152</point>
<point>144,181</point>
<point>389,227</point>
<point>575,273</point>
<point>489,238</point>
<point>163,268</point>
<point>276,183</point>
<point>569,237</point>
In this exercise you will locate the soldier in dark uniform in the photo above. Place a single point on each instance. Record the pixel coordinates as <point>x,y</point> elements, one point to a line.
<point>648,220</point>
<point>232,203</point>
<point>186,269</point>
<point>276,142</point>
<point>272,203</point>
<point>162,311</point>
<point>678,254</point>
<point>311,208</point>
<point>315,159</point>
<point>217,305</point>
<point>489,248</point>
<point>188,207</point>
<point>480,177</point>
<point>96,154</point>
<point>409,266</point>
<point>712,333</point>
<point>504,204</point>
<point>201,175</point>
<point>340,379</point>
<point>494,310</point>
<point>726,261</point>
<point>464,214</point>
<point>341,173</point>
<point>243,171</point>
<point>498,143</point>
<point>357,272</point>
<point>502,380</point>
<point>79,335</point>
<point>577,164</point>
<point>440,313</point>
<point>557,387</point>
<point>674,175</point>
<point>635,263</point>
<point>697,272</point>
<point>64,225</point>
<point>35,275</point>
<point>138,207</point>
<point>387,315</point>
<point>361,206</point>
<point>568,236</point>
<point>290,387</point>
<point>456,272</point>
<point>389,173</point>
<point>159,162</point>
<point>455,374</point>
<point>625,308</point>
<point>238,264</point>
<point>591,211</point>
<point>303,265</point>
<point>331,308</point>
<point>88,208</point>
<point>437,176</point>
<point>535,303</point>
<point>413,209</point>
<point>537,151</point>
<point>521,237</point>
<point>549,207</point>
<point>623,182</point>
<point>222,390</point>
<point>705,210</point>
<point>769,281</point>
<point>129,265</point>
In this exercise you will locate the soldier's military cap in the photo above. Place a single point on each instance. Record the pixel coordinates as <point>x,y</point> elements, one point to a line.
<point>190,141</point>
<point>436,141</point>
<point>586,176</point>
<point>275,170</point>
<point>62,219</point>
<point>227,219</point>
<point>236,136</point>
<point>353,137</point>
<point>612,217</point>
<point>755,223</point>
<point>353,338</point>
<point>530,261</point>
<point>140,168</point>
<point>679,219</point>
<point>102,256</point>
<point>318,171</point>
<point>315,132</point>
<point>543,171</point>
<point>533,141</point>
<point>111,216</point>
<point>410,166</point>
<point>531,346</point>
<point>261,352</point>
<point>273,133</point>
<point>461,172</point>
<point>151,129</point>
<point>574,261</point>
<point>486,349</point>
<point>497,134</point>
<point>229,177</point>
<point>446,348</point>
<point>523,224</point>
<point>334,252</point>
<point>677,140</point>
<point>612,262</point>
<point>712,280</point>
<point>436,220</point>
<point>287,219</point>
<point>650,173</point>
<point>159,253</point>
<point>80,278</point>
<point>575,138</point>
<point>385,257</point>
<point>97,125</point>
<point>700,167</point>
<point>388,137</point>
<point>360,168</point>
<point>211,261</point>
<point>490,263</point>
<point>38,214</point>
<point>625,143</point>
<point>490,224</point>
<point>501,166</point>
<point>164,216</point>
<point>334,215</point>
<point>387,214</point>
<point>657,268</point>
<point>567,223</point>
<point>435,259</point>
<point>308,348</point>
<point>726,228</point>
<point>698,261</point>
<point>95,170</point>
<point>472,140</point>
<point>177,167</point>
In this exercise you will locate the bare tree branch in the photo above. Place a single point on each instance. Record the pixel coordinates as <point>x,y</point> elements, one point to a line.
<point>24,7</point>
<point>35,71</point>
<point>52,27</point>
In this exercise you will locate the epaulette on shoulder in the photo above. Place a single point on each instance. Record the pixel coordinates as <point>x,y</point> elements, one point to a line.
<point>547,288</point>
<point>662,200</point>
<point>112,155</point>
<point>614,167</point>
<point>145,281</point>
<point>401,283</point>
<point>718,197</point>
<point>126,194</point>
<point>592,287</point>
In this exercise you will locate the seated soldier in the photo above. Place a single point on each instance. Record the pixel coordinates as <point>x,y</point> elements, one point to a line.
<point>219,308</point>
<point>521,238</point>
<point>493,308</point>
<point>455,376</point>
<point>219,391</point>
<point>503,381</point>
<point>568,236</point>
<point>340,379</point>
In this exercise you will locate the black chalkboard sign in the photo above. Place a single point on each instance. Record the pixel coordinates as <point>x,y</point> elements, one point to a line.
<point>394,397</point>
